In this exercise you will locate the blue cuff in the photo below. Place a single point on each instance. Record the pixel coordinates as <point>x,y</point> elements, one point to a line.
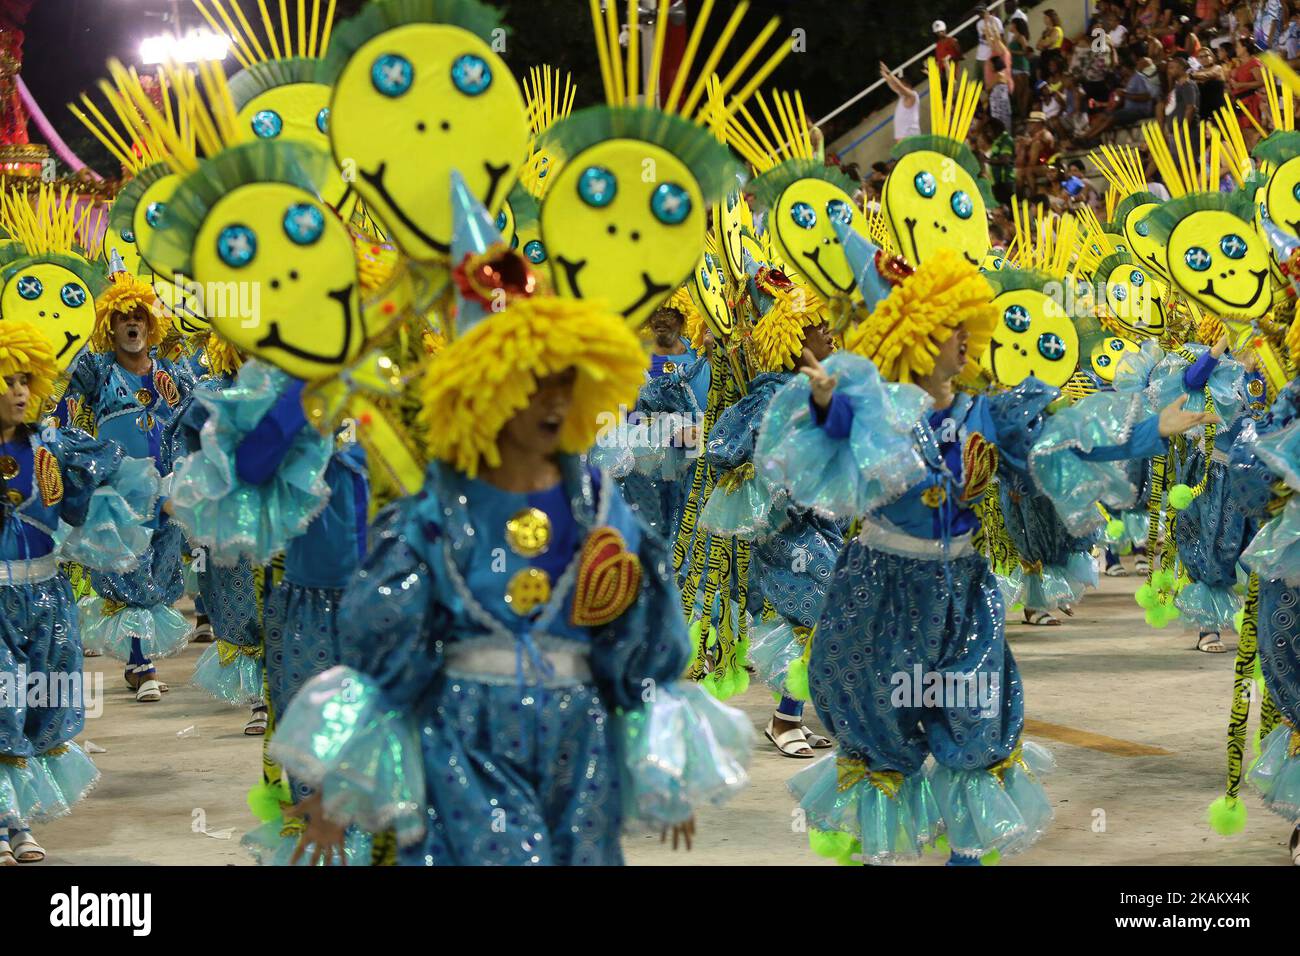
<point>836,419</point>
<point>263,448</point>
<point>1144,442</point>
<point>1198,375</point>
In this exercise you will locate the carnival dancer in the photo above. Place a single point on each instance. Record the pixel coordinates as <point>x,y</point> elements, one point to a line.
<point>514,621</point>
<point>66,497</point>
<point>130,395</point>
<point>792,549</point>
<point>902,448</point>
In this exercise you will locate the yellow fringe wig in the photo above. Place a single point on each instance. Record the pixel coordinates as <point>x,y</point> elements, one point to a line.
<point>125,293</point>
<point>778,337</point>
<point>223,357</point>
<point>481,379</point>
<point>24,348</point>
<point>900,335</point>
<point>693,329</point>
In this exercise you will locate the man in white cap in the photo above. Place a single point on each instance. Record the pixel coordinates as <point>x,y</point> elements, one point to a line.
<point>945,47</point>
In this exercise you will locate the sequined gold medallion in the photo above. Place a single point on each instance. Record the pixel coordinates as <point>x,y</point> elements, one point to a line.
<point>144,397</point>
<point>528,590</point>
<point>8,467</point>
<point>1255,387</point>
<point>15,496</point>
<point>528,532</point>
<point>934,496</point>
<point>670,367</point>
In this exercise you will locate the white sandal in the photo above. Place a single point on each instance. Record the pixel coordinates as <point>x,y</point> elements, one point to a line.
<point>1041,619</point>
<point>791,743</point>
<point>6,855</point>
<point>1210,643</point>
<point>26,850</point>
<point>149,692</point>
<point>817,741</point>
<point>1116,571</point>
<point>256,726</point>
<point>1295,847</point>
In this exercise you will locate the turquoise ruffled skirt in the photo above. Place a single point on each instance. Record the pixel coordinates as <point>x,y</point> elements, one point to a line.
<point>36,789</point>
<point>1276,774</point>
<point>238,683</point>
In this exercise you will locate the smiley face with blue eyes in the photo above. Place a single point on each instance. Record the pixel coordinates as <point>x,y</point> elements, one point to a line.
<point>736,217</point>
<point>1221,263</point>
<point>299,255</point>
<point>930,202</point>
<point>1105,357</point>
<point>1136,300</point>
<point>299,113</point>
<point>613,235</point>
<point>53,299</point>
<point>505,223</point>
<point>411,105</point>
<point>1033,336</point>
<point>1141,242</point>
<point>802,224</point>
<point>708,290</point>
<point>1281,196</point>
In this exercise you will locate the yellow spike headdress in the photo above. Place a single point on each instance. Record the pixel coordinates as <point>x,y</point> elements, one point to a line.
<point>24,349</point>
<point>934,197</point>
<point>787,307</point>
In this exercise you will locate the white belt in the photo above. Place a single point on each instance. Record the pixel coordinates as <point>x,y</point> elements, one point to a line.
<point>885,537</point>
<point>28,571</point>
<point>492,661</point>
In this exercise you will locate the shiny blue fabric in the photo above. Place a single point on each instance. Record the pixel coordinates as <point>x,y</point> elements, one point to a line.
<point>232,518</point>
<point>148,592</point>
<point>1276,775</point>
<point>44,787</point>
<point>1211,534</point>
<point>40,644</point>
<point>547,756</point>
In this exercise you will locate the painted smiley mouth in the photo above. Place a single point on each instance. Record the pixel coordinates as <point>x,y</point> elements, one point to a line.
<point>274,340</point>
<point>911,235</point>
<point>71,340</point>
<point>653,290</point>
<point>376,181</point>
<point>1259,289</point>
<point>814,258</point>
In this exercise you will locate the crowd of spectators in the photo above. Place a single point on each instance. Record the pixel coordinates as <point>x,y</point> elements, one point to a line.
<point>1048,99</point>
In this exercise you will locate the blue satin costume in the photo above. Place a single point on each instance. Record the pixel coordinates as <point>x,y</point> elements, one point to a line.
<point>1266,460</point>
<point>92,505</point>
<point>132,618</point>
<point>793,549</point>
<point>911,598</point>
<point>485,736</point>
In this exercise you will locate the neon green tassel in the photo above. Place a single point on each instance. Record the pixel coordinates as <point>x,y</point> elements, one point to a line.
<point>991,858</point>
<point>834,845</point>
<point>266,800</point>
<point>1227,816</point>
<point>796,680</point>
<point>1114,529</point>
<point>1146,596</point>
<point>1180,497</point>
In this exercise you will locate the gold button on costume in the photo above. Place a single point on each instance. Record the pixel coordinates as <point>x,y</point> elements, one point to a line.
<point>528,532</point>
<point>528,590</point>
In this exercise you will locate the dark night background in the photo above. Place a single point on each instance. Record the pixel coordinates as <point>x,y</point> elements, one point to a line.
<point>68,42</point>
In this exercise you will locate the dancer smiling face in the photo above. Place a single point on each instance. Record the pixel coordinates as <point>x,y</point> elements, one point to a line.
<point>529,442</point>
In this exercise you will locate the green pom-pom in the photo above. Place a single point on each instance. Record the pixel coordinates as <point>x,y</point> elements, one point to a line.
<point>1126,548</point>
<point>1180,497</point>
<point>734,681</point>
<point>796,680</point>
<point>267,799</point>
<point>834,845</point>
<point>1239,621</point>
<point>1114,529</point>
<point>991,858</point>
<point>1227,816</point>
<point>1163,579</point>
<point>1146,596</point>
<point>710,683</point>
<point>713,637</point>
<point>1172,612</point>
<point>1158,616</point>
<point>941,843</point>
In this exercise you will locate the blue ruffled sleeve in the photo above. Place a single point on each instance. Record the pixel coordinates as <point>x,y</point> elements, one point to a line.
<point>847,477</point>
<point>349,733</point>
<point>234,518</point>
<point>264,448</point>
<point>1073,461</point>
<point>108,502</point>
<point>1018,416</point>
<point>742,502</point>
<point>1265,461</point>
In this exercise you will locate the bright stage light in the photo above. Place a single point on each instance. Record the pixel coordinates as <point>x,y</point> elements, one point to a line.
<point>196,46</point>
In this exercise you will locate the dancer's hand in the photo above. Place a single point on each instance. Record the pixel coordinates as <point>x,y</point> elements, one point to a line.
<point>322,834</point>
<point>683,831</point>
<point>1174,419</point>
<point>1220,346</point>
<point>822,383</point>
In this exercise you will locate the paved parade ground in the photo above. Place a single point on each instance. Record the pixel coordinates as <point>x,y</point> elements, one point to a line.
<point>1135,718</point>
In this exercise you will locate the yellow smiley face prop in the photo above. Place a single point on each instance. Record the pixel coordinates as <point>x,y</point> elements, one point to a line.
<point>1222,263</point>
<point>284,243</point>
<point>505,223</point>
<point>1280,282</point>
<point>1142,245</point>
<point>1281,196</point>
<point>1136,301</point>
<point>300,113</point>
<point>55,300</point>
<point>1033,336</point>
<point>931,202</point>
<point>1105,356</point>
<point>736,218</point>
<point>802,226</point>
<point>149,216</point>
<point>708,290</point>
<point>615,234</point>
<point>184,305</point>
<point>410,105</point>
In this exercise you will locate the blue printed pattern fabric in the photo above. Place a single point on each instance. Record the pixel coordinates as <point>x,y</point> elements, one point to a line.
<point>1211,534</point>
<point>453,709</point>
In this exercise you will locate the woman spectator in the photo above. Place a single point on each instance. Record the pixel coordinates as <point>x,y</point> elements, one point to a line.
<point>1212,79</point>
<point>1021,64</point>
<point>1051,40</point>
<point>1245,82</point>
